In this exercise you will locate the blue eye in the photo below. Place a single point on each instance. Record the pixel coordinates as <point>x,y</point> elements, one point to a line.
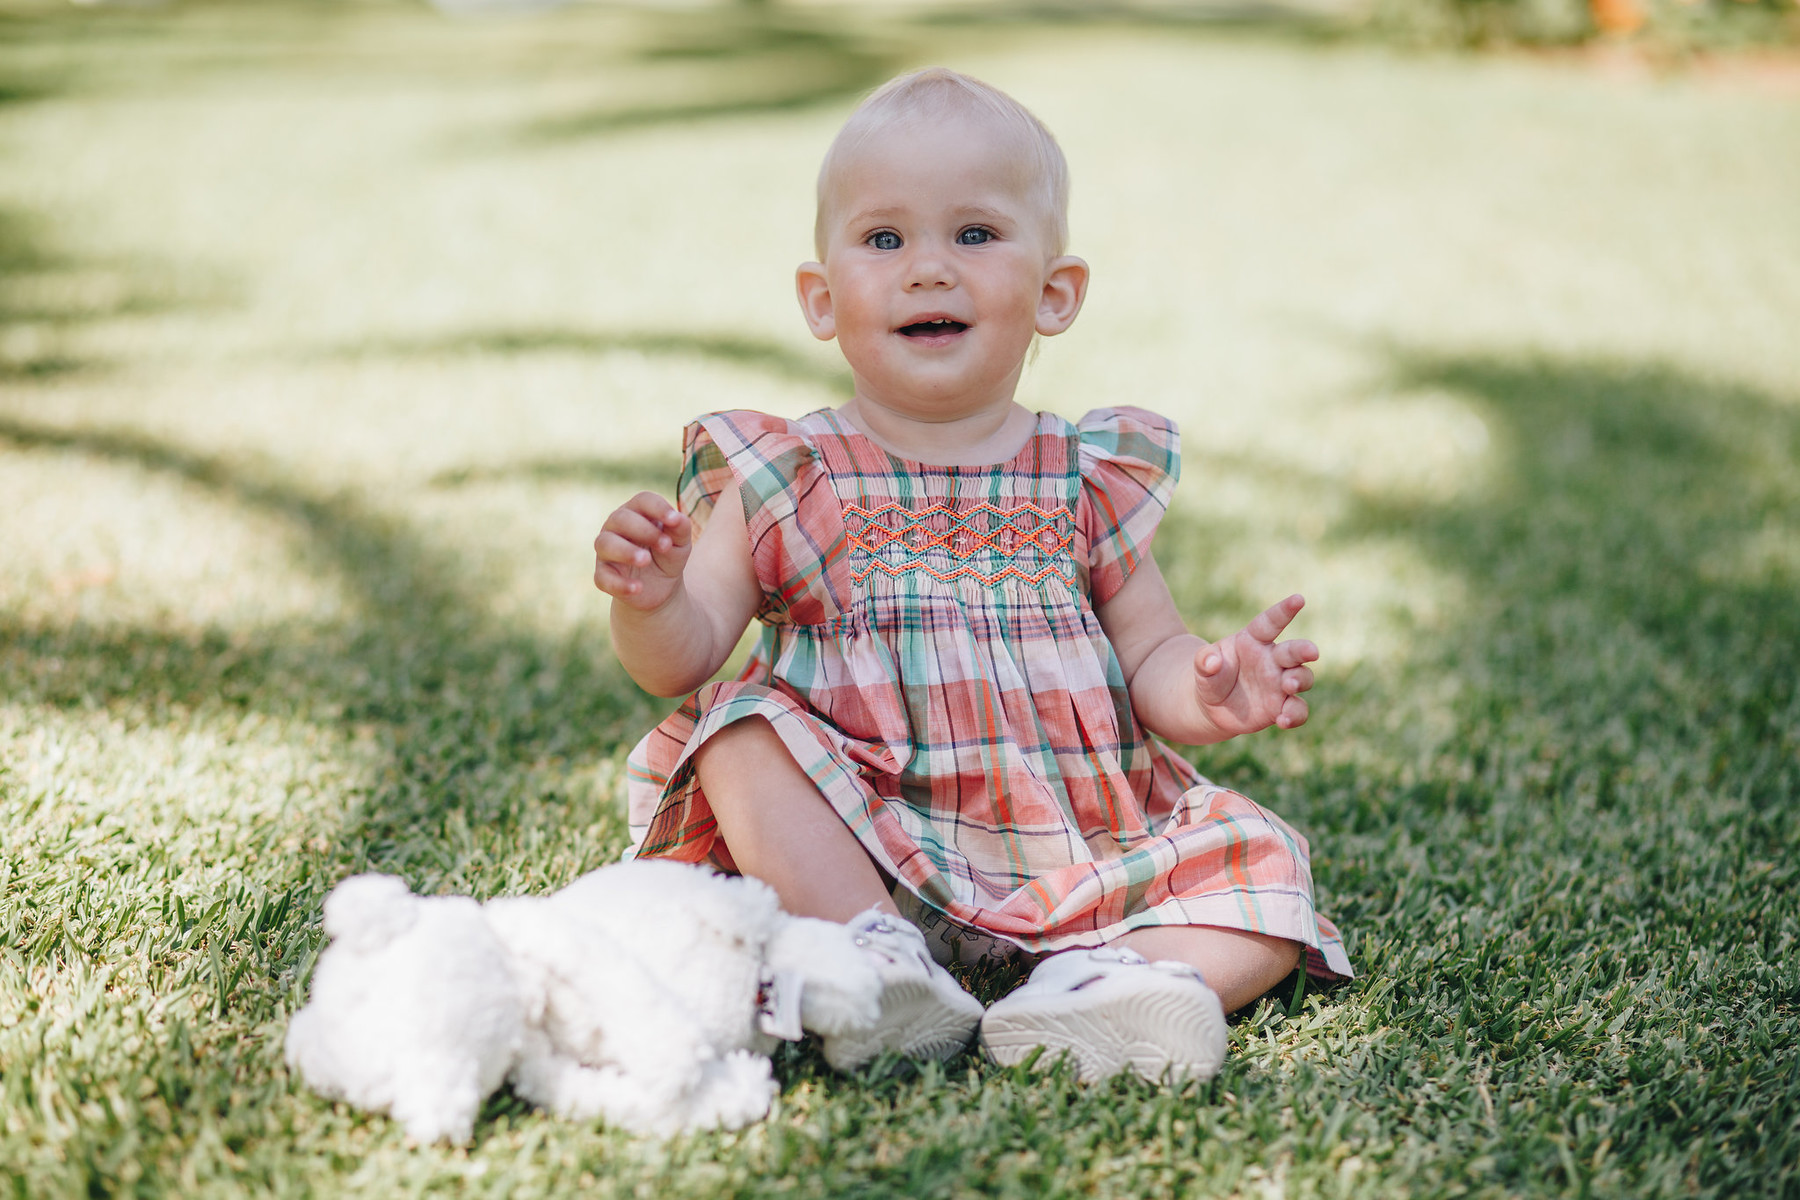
<point>886,239</point>
<point>974,235</point>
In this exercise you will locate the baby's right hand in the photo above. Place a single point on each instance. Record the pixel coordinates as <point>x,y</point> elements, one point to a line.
<point>641,552</point>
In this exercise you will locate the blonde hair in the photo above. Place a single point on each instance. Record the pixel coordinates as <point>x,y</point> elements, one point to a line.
<point>937,92</point>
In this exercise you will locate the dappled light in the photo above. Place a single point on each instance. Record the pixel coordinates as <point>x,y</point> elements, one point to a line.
<point>330,333</point>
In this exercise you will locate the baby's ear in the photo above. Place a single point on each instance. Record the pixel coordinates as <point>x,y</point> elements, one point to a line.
<point>815,300</point>
<point>1065,287</point>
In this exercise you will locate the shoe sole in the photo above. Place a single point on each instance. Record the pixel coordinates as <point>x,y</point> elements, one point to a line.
<point>1112,1025</point>
<point>916,1021</point>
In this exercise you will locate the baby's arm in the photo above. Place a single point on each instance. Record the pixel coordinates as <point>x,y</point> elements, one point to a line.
<point>680,603</point>
<point>1187,689</point>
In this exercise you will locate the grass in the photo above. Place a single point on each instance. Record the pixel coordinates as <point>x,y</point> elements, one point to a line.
<point>328,335</point>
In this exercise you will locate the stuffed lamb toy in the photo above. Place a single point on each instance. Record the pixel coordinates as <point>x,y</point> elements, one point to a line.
<point>647,994</point>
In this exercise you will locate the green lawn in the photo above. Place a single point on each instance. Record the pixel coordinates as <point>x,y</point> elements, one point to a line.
<point>328,334</point>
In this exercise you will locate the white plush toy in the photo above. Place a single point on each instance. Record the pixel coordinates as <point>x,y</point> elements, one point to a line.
<point>644,994</point>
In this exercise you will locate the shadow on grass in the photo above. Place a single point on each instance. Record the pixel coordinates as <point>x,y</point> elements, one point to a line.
<point>758,59</point>
<point>1621,745</point>
<point>1637,560</point>
<point>1573,893</point>
<point>1625,744</point>
<point>26,260</point>
<point>643,474</point>
<point>768,59</point>
<point>1631,642</point>
<point>754,353</point>
<point>466,709</point>
<point>1198,15</point>
<point>783,82</point>
<point>49,292</point>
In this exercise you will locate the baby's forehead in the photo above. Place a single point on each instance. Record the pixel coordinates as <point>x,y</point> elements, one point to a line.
<point>900,134</point>
<point>964,165</point>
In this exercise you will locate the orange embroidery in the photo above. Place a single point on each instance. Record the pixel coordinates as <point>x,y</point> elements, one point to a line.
<point>897,540</point>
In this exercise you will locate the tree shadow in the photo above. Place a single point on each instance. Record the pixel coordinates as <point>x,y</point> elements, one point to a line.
<point>771,59</point>
<point>786,75</point>
<point>1636,504</point>
<point>1620,748</point>
<point>647,473</point>
<point>48,51</point>
<point>48,293</point>
<point>1198,15</point>
<point>464,709</point>
<point>758,59</point>
<point>26,78</point>
<point>25,258</point>
<point>755,353</point>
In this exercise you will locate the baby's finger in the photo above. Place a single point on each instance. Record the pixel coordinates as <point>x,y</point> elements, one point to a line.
<point>1293,713</point>
<point>1296,680</point>
<point>671,555</point>
<point>679,527</point>
<point>1267,625</point>
<point>1296,653</point>
<point>651,506</point>
<point>615,582</point>
<point>638,529</point>
<point>609,547</point>
<point>1214,677</point>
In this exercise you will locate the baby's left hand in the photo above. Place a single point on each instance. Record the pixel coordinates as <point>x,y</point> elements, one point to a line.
<point>1249,681</point>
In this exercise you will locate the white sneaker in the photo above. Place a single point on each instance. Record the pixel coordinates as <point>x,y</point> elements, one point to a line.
<point>925,1013</point>
<point>1109,1010</point>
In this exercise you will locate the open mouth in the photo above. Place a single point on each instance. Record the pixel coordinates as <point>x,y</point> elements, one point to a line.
<point>933,328</point>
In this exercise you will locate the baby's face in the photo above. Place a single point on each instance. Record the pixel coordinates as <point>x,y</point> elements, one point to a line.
<point>937,251</point>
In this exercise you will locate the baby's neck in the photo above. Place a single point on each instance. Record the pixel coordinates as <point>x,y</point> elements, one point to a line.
<point>989,435</point>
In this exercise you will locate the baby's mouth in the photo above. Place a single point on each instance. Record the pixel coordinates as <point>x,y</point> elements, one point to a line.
<point>937,328</point>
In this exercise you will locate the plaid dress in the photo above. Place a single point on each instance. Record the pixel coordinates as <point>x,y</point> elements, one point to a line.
<point>931,657</point>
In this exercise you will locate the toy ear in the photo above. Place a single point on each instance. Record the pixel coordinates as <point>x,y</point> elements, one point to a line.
<point>840,988</point>
<point>369,911</point>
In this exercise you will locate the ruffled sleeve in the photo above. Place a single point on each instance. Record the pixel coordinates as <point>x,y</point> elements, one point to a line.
<point>1130,462</point>
<point>778,475</point>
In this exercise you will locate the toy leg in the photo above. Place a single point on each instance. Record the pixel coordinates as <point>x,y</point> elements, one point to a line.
<point>781,830</point>
<point>1239,966</point>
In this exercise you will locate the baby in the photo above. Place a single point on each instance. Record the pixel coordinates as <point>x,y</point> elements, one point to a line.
<point>968,654</point>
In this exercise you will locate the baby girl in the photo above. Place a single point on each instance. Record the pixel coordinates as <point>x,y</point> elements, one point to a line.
<point>968,655</point>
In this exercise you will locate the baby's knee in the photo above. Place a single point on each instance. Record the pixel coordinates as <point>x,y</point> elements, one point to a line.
<point>1285,954</point>
<point>737,744</point>
<point>745,759</point>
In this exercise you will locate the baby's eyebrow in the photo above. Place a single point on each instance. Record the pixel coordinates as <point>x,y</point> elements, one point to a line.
<point>983,212</point>
<point>877,214</point>
<point>980,212</point>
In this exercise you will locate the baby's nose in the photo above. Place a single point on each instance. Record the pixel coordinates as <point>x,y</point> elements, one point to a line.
<point>930,270</point>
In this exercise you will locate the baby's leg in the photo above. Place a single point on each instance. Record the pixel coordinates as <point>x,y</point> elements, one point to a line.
<point>1238,965</point>
<point>781,830</point>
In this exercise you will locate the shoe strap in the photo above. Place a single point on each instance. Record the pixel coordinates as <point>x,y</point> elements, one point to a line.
<point>894,938</point>
<point>1176,967</point>
<point>1076,968</point>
